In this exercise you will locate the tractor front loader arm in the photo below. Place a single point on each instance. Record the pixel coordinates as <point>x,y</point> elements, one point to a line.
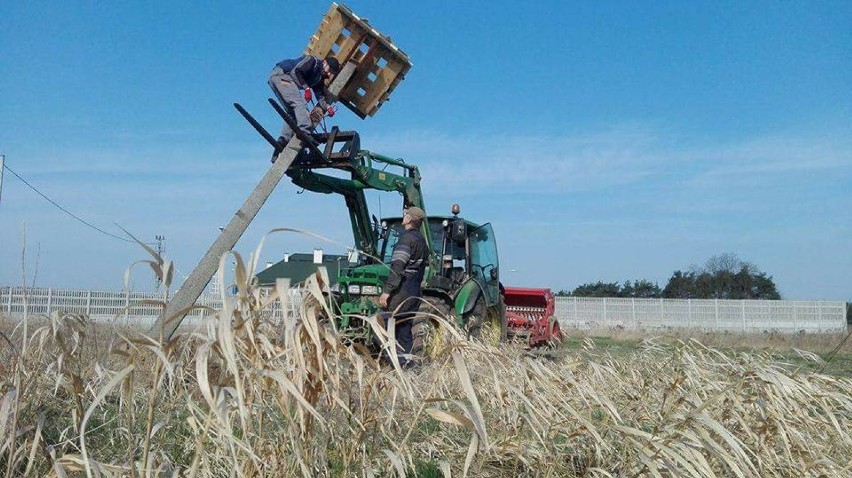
<point>366,237</point>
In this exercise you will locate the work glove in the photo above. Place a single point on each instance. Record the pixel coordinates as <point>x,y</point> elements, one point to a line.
<point>308,94</point>
<point>327,107</point>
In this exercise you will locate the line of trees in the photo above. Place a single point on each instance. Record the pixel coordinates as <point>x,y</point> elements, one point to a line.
<point>640,289</point>
<point>723,276</point>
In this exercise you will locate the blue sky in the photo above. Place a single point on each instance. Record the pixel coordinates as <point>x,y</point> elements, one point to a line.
<point>603,140</point>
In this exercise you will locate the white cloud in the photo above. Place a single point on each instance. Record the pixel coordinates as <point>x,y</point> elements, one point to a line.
<point>779,155</point>
<point>530,163</point>
<point>538,164</point>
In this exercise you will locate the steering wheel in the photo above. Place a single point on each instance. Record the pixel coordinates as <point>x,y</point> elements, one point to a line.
<point>484,269</point>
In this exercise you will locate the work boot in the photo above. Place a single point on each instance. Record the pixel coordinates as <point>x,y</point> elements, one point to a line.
<point>275,152</point>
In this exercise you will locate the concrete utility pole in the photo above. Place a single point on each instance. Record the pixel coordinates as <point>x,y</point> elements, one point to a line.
<point>160,239</point>
<point>194,285</point>
<point>160,250</point>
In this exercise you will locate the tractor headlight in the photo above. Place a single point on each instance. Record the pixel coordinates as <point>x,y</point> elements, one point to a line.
<point>370,290</point>
<point>354,289</point>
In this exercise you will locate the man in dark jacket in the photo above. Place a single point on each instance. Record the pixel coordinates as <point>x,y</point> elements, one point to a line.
<point>289,78</point>
<point>401,290</point>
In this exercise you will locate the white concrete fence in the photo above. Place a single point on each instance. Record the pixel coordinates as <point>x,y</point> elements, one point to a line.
<point>753,316</point>
<point>119,307</point>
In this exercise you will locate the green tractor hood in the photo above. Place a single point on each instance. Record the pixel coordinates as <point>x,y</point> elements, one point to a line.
<point>360,287</point>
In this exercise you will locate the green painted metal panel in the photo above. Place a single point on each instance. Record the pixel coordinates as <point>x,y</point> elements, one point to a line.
<point>466,297</point>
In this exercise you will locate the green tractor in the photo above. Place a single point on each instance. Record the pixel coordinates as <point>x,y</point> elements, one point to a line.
<point>462,280</point>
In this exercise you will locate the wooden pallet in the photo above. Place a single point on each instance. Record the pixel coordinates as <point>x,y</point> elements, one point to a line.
<point>381,66</point>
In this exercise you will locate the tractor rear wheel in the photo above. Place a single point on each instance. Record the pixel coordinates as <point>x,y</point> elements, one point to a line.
<point>428,330</point>
<point>484,324</point>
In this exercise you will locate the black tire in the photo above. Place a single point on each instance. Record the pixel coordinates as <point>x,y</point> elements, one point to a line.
<point>474,320</point>
<point>484,324</point>
<point>427,328</point>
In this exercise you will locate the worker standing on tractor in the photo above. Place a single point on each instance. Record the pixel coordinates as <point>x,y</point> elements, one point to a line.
<point>401,291</point>
<point>293,80</point>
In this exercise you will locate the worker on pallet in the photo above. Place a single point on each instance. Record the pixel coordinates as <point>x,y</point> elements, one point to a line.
<point>401,290</point>
<point>293,81</point>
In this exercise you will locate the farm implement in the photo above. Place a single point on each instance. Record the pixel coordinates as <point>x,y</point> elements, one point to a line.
<point>530,316</point>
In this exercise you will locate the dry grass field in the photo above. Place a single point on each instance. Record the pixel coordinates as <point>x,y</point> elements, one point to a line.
<point>243,397</point>
<point>833,351</point>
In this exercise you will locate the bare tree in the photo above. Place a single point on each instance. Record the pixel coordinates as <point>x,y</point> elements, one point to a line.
<point>726,262</point>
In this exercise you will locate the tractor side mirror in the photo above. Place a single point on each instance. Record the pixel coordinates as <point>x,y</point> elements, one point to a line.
<point>459,231</point>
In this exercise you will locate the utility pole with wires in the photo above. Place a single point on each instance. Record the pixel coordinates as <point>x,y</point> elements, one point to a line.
<point>161,248</point>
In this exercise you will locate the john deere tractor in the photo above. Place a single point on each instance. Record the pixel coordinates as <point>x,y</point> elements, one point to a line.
<point>462,280</point>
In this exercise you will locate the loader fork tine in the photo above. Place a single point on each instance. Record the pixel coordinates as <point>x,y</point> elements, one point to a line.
<point>257,126</point>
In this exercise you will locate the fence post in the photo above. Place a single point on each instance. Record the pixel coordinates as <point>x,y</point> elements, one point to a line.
<point>49,300</point>
<point>89,303</point>
<point>769,314</point>
<point>633,311</point>
<point>127,307</point>
<point>819,316</point>
<point>688,313</point>
<point>795,317</point>
<point>576,319</point>
<point>9,302</point>
<point>716,306</point>
<point>662,314</point>
<point>743,308</point>
<point>604,317</point>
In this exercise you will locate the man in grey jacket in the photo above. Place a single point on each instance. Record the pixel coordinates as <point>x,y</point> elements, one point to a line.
<point>290,78</point>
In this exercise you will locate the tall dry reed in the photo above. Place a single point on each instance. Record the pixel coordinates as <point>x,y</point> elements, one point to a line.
<point>242,395</point>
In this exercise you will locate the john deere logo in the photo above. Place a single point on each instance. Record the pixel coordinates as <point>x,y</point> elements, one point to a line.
<point>381,176</point>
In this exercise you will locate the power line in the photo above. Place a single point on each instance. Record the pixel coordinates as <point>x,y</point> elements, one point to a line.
<point>63,209</point>
<point>2,167</point>
<point>834,352</point>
